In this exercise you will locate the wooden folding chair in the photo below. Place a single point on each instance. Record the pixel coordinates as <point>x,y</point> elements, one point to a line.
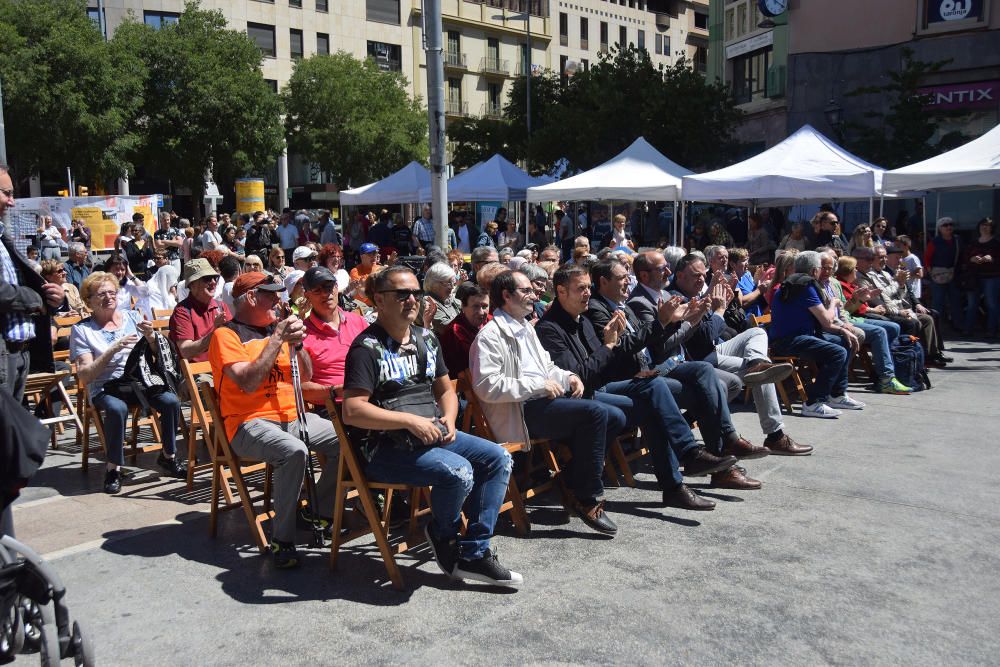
<point>38,387</point>
<point>624,459</point>
<point>352,482</point>
<point>228,466</point>
<point>163,313</point>
<point>162,326</point>
<point>198,422</point>
<point>795,377</point>
<point>92,416</point>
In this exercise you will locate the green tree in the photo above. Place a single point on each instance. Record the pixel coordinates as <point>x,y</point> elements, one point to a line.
<point>597,113</point>
<point>902,135</point>
<point>357,122</point>
<point>207,106</point>
<point>70,98</point>
<point>478,139</point>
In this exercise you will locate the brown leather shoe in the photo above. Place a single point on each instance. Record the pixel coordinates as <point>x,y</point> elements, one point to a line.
<point>764,372</point>
<point>742,448</point>
<point>735,478</point>
<point>785,446</point>
<point>701,462</point>
<point>686,499</point>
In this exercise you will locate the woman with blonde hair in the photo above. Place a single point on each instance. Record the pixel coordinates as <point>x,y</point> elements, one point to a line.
<point>54,272</point>
<point>100,346</point>
<point>861,238</point>
<point>784,266</point>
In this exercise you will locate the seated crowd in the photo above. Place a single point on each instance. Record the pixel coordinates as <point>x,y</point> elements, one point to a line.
<point>579,353</point>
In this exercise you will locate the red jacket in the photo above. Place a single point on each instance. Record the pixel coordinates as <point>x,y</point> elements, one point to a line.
<point>456,340</point>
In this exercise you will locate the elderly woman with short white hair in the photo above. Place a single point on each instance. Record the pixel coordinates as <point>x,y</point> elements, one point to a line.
<point>439,285</point>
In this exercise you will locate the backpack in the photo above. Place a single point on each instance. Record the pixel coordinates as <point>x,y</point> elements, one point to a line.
<point>908,358</point>
<point>147,374</point>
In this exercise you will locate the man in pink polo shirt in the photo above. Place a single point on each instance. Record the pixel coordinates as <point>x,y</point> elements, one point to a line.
<point>330,330</point>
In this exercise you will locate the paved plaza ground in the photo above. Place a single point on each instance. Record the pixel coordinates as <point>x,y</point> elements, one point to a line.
<point>881,548</point>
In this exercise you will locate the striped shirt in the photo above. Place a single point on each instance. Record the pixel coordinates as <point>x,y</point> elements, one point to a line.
<point>17,327</point>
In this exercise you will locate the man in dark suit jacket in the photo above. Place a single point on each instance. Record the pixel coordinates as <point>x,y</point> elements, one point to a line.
<point>744,355</point>
<point>610,374</point>
<point>703,390</point>
<point>26,301</point>
<point>696,384</point>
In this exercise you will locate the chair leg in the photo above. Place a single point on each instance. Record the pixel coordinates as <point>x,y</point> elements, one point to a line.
<point>339,507</point>
<point>518,513</point>
<point>622,461</point>
<point>216,493</point>
<point>780,386</point>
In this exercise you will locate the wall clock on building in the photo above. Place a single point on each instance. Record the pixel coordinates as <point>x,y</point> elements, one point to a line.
<point>772,7</point>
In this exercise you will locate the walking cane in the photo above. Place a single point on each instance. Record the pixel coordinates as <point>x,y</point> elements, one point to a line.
<point>300,412</point>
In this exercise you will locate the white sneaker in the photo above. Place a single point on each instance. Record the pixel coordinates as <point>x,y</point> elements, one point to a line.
<point>845,402</point>
<point>821,410</point>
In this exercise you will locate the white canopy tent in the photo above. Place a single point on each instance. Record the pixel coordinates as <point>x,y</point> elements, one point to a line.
<point>639,173</point>
<point>972,166</point>
<point>496,179</point>
<point>410,184</point>
<point>804,167</point>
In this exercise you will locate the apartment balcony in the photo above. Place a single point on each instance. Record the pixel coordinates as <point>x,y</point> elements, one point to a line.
<point>491,66</point>
<point>455,61</point>
<point>494,111</point>
<point>584,44</point>
<point>456,108</point>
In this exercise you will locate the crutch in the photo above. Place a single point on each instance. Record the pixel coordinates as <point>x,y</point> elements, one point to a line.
<point>300,413</point>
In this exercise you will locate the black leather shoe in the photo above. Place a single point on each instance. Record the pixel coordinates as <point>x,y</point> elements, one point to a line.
<point>595,517</point>
<point>702,462</point>
<point>112,481</point>
<point>946,359</point>
<point>173,467</point>
<point>686,499</point>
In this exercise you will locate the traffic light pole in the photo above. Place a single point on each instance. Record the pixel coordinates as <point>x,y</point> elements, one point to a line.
<point>3,131</point>
<point>434,50</point>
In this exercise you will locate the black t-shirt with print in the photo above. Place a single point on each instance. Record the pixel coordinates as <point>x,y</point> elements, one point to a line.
<point>377,364</point>
<point>169,234</point>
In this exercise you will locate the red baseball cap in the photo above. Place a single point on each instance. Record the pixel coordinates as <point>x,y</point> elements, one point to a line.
<point>256,280</point>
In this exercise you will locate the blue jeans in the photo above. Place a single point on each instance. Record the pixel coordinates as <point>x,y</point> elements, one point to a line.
<point>588,427</point>
<point>892,329</point>
<point>830,357</point>
<point>948,302</point>
<point>878,340</point>
<point>470,472</point>
<point>116,413</point>
<point>696,387</point>
<point>648,404</point>
<point>988,288</point>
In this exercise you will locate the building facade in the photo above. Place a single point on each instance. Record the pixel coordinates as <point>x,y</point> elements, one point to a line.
<point>487,44</point>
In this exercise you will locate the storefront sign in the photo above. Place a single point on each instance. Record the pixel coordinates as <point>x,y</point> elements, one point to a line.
<point>751,44</point>
<point>979,95</point>
<point>945,11</point>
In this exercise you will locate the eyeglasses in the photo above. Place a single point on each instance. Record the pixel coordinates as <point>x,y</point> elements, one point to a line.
<point>947,225</point>
<point>9,194</point>
<point>211,279</point>
<point>106,295</point>
<point>326,288</point>
<point>403,295</point>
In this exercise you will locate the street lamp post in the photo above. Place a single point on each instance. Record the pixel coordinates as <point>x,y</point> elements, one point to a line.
<point>434,49</point>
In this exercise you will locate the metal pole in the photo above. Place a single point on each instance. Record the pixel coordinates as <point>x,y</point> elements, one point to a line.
<point>681,222</point>
<point>923,215</point>
<point>527,78</point>
<point>871,210</point>
<point>881,205</point>
<point>69,181</point>
<point>283,180</point>
<point>434,50</point>
<point>3,131</point>
<point>673,235</point>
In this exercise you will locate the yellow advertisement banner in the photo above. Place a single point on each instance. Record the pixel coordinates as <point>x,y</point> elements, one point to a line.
<point>249,195</point>
<point>102,223</point>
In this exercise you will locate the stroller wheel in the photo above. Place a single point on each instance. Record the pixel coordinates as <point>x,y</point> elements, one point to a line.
<point>11,633</point>
<point>32,636</point>
<point>83,648</point>
<point>40,625</point>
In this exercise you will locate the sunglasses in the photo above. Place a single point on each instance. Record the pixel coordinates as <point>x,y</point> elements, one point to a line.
<point>402,295</point>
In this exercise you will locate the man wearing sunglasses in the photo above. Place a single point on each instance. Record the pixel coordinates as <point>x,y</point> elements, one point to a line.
<point>251,365</point>
<point>399,400</point>
<point>199,314</point>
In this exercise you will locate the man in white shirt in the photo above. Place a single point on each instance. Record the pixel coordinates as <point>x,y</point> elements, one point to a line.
<point>424,227</point>
<point>525,395</point>
<point>210,238</point>
<point>288,236</point>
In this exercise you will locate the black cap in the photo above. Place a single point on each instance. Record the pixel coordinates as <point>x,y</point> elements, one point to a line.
<point>318,275</point>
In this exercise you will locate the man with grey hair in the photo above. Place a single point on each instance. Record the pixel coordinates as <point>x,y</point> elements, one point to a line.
<point>745,355</point>
<point>76,266</point>
<point>804,324</point>
<point>482,256</point>
<point>251,364</point>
